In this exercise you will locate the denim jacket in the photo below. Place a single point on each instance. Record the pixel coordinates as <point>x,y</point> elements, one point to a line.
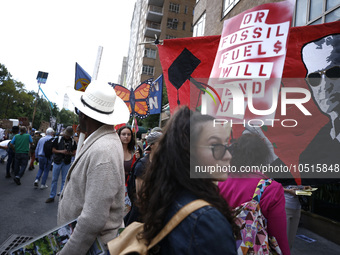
<point>205,231</point>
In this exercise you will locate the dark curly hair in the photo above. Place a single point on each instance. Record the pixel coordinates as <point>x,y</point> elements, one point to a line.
<point>169,174</point>
<point>250,150</point>
<point>132,143</point>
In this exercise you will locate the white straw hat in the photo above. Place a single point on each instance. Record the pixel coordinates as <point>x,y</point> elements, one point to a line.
<point>100,102</point>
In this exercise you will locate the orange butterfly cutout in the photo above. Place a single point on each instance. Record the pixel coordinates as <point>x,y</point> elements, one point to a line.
<point>136,100</point>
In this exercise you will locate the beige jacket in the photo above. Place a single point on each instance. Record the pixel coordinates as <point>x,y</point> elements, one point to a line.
<point>94,191</point>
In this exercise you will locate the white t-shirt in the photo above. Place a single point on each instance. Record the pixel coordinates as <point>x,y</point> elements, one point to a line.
<point>292,201</point>
<point>2,151</point>
<point>2,133</point>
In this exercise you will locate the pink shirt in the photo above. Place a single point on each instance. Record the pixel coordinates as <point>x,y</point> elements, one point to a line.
<point>237,191</point>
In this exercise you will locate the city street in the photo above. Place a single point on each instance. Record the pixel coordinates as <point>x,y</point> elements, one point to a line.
<point>23,212</point>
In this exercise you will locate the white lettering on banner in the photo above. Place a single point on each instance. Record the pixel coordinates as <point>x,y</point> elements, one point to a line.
<point>257,87</point>
<point>260,33</point>
<point>153,102</point>
<point>247,70</point>
<point>248,67</point>
<point>252,18</point>
<point>239,89</point>
<point>257,50</point>
<point>155,87</point>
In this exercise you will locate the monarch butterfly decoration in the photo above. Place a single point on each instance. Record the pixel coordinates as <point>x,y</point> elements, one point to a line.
<point>137,100</point>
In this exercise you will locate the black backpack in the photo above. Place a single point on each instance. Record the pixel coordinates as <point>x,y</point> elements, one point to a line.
<point>9,149</point>
<point>48,146</point>
<point>131,183</point>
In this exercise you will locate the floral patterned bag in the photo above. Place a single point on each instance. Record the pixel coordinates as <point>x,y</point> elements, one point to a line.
<point>253,226</point>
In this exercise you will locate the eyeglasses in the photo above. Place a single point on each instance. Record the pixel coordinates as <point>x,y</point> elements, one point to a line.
<point>219,149</point>
<point>314,79</point>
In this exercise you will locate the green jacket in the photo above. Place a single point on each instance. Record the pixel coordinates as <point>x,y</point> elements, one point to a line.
<point>22,143</point>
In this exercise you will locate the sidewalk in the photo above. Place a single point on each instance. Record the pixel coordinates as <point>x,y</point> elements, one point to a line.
<point>321,245</point>
<point>24,213</point>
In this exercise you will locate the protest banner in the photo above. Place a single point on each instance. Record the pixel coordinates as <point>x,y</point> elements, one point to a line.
<point>6,124</point>
<point>249,63</point>
<point>43,126</point>
<point>183,59</point>
<point>23,121</point>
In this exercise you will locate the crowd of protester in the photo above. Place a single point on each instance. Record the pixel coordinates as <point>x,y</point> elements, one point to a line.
<point>155,177</point>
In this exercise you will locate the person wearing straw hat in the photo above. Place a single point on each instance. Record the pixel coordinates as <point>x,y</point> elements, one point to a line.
<point>94,188</point>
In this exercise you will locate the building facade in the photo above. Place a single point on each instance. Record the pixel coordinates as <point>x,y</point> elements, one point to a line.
<point>161,19</point>
<point>122,76</point>
<point>65,102</point>
<point>210,14</point>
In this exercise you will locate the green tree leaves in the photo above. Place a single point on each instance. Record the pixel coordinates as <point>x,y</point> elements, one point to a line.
<point>4,74</point>
<point>17,102</point>
<point>68,118</point>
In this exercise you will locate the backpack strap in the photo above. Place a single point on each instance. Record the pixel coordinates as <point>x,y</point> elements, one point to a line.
<point>72,142</point>
<point>177,218</point>
<point>141,160</point>
<point>262,184</point>
<point>134,166</point>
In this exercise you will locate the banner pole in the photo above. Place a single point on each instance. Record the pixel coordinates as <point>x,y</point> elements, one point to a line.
<point>94,77</point>
<point>160,113</point>
<point>35,104</point>
<point>96,66</point>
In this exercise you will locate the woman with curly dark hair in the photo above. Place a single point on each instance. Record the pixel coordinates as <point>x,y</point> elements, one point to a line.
<point>168,187</point>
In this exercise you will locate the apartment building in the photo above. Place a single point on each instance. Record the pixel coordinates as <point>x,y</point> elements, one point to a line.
<point>122,76</point>
<point>66,102</point>
<point>164,19</point>
<point>210,14</point>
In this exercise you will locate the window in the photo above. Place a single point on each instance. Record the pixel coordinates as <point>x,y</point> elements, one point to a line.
<point>174,8</point>
<point>199,27</point>
<point>228,5</point>
<point>149,70</point>
<point>312,12</point>
<point>172,23</point>
<point>170,37</point>
<point>183,26</point>
<point>185,9</point>
<point>150,53</point>
<point>333,16</point>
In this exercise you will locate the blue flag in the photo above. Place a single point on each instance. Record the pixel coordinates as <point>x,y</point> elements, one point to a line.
<point>42,77</point>
<point>155,97</point>
<point>82,79</point>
